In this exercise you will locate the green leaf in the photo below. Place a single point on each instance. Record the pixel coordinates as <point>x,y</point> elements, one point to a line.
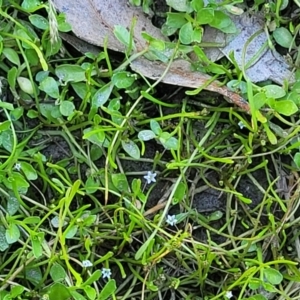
<point>13,205</point>
<point>32,220</point>
<point>108,290</point>
<point>6,105</point>
<point>175,20</point>
<point>259,100</point>
<point>17,113</point>
<point>57,272</point>
<point>123,79</point>
<point>131,149</point>
<point>12,233</point>
<point>102,95</point>
<point>12,77</point>
<point>197,5</point>
<point>78,296</point>
<point>17,180</point>
<point>58,291</point>
<point>30,5</point>
<point>5,125</point>
<point>146,135</point>
<point>48,110</point>
<point>11,55</point>
<point>285,107</point>
<point>25,85</point>
<point>95,135</point>
<point>71,231</point>
<point>186,34</point>
<point>257,297</point>
<point>90,292</point>
<point>16,291</point>
<point>222,22</point>
<point>39,21</point>
<point>91,185</point>
<point>120,182</point>
<point>205,16</point>
<point>36,241</point>
<point>92,278</point>
<point>123,35</point>
<point>136,186</point>
<point>3,243</point>
<point>66,108</point>
<point>63,25</point>
<point>7,140</point>
<point>283,37</point>
<point>80,89</point>
<point>272,275</point>
<point>274,91</point>
<point>68,73</point>
<point>95,152</point>
<point>114,104</point>
<point>179,193</point>
<point>197,35</point>
<point>29,171</point>
<point>297,159</point>
<point>179,5</point>
<point>271,136</point>
<point>34,275</point>
<point>155,127</point>
<point>171,143</point>
<point>217,215</point>
<point>50,87</point>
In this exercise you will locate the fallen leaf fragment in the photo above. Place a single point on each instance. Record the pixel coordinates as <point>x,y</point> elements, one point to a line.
<point>180,74</point>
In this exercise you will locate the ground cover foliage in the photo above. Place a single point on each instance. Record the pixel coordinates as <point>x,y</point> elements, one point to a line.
<point>115,186</point>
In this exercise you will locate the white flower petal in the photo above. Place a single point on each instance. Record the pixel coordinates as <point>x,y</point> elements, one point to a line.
<point>87,263</point>
<point>150,177</point>
<point>171,220</point>
<point>229,294</point>
<point>106,273</point>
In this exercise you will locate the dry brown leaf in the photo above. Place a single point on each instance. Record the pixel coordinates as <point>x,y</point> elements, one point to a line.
<point>268,65</point>
<point>180,74</point>
<point>94,21</point>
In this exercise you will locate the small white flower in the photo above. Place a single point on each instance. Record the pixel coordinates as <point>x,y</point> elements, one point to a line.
<point>228,294</point>
<point>241,124</point>
<point>87,263</point>
<point>171,220</point>
<point>150,177</point>
<point>106,273</point>
<point>17,166</point>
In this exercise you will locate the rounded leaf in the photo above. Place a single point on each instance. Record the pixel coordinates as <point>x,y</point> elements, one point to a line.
<point>273,276</point>
<point>131,149</point>
<point>66,108</point>
<point>205,16</point>
<point>39,21</point>
<point>50,87</point>
<point>179,5</point>
<point>11,55</point>
<point>283,37</point>
<point>123,79</point>
<point>68,73</point>
<point>297,160</point>
<point>57,272</point>
<point>25,85</point>
<point>12,234</point>
<point>146,135</point>
<point>286,107</point>
<point>186,33</point>
<point>120,182</point>
<point>28,171</point>
<point>274,91</point>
